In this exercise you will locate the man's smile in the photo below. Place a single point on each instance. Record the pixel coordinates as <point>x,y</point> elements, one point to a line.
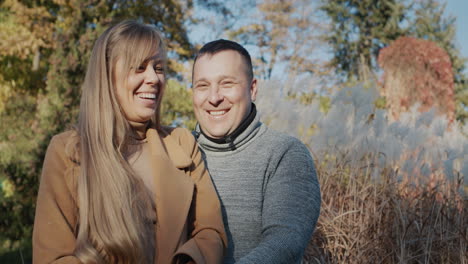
<point>217,113</point>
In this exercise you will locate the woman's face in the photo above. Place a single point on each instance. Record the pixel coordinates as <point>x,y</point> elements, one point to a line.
<point>139,91</point>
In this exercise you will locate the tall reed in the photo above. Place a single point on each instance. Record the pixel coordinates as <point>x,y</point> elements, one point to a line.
<point>392,192</point>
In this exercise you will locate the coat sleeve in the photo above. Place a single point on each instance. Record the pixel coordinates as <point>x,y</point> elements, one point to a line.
<point>208,239</point>
<point>55,219</point>
<point>291,207</point>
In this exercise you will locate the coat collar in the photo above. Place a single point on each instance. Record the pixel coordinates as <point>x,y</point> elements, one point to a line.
<point>176,154</point>
<point>173,190</point>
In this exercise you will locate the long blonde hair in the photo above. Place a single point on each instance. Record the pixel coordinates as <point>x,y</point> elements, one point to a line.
<point>113,204</point>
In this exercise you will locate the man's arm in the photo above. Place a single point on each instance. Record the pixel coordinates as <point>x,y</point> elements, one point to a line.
<point>291,208</point>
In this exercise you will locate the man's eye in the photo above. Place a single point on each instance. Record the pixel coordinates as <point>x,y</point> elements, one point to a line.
<point>201,86</point>
<point>227,83</point>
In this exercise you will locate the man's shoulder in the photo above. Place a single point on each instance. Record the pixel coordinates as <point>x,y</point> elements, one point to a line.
<point>278,139</point>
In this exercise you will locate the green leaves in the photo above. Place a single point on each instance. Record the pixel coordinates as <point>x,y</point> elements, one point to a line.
<point>359,30</point>
<point>177,106</point>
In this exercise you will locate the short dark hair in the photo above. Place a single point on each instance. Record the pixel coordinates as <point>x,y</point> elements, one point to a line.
<point>219,45</point>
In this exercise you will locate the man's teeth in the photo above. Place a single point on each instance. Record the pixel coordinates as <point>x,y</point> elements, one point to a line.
<point>216,113</point>
<point>147,95</point>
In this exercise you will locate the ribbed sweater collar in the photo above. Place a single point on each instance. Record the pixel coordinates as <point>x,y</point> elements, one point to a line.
<point>242,135</point>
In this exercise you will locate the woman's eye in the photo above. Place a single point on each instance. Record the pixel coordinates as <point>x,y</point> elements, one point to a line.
<point>159,69</point>
<point>141,68</point>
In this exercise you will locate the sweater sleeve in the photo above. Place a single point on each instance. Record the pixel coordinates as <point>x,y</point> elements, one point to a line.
<point>55,220</point>
<point>291,207</point>
<point>208,239</point>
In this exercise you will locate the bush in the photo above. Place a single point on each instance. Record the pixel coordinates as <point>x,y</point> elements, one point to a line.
<point>417,70</point>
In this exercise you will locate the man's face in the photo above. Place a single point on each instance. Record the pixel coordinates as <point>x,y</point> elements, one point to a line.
<point>222,92</point>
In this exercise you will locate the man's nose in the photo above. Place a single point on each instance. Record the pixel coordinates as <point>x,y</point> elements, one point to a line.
<point>215,97</point>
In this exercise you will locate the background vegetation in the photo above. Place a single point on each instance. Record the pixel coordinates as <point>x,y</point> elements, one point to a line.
<point>394,191</point>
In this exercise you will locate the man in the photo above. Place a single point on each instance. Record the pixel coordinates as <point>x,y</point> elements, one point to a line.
<point>266,180</point>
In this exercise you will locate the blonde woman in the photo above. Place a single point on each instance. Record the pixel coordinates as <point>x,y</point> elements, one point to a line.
<point>120,188</point>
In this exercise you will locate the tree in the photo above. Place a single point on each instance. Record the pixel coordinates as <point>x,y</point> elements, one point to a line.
<point>26,34</point>
<point>417,71</point>
<point>359,29</point>
<point>286,35</point>
<point>177,106</point>
<point>433,24</point>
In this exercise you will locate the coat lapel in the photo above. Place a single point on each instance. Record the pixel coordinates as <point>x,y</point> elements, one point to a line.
<point>173,191</point>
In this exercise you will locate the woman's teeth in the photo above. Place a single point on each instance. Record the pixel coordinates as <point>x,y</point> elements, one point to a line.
<point>147,95</point>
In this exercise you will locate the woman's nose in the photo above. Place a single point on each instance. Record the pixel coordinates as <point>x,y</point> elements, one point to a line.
<point>152,76</point>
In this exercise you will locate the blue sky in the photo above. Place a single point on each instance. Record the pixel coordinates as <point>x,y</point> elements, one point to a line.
<point>459,9</point>
<point>456,8</point>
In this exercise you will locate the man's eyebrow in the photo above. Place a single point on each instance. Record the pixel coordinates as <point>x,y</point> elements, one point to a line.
<point>227,77</point>
<point>220,78</point>
<point>201,80</point>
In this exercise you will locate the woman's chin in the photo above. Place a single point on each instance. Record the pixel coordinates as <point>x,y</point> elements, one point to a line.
<point>142,117</point>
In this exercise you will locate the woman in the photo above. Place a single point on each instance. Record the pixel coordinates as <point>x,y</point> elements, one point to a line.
<point>120,188</point>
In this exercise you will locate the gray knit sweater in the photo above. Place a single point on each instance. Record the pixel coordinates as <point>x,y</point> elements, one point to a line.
<point>270,196</point>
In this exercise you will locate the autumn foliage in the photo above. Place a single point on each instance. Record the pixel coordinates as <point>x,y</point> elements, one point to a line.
<point>417,71</point>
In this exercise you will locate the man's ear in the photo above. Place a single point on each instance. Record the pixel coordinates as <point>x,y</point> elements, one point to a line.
<point>253,89</point>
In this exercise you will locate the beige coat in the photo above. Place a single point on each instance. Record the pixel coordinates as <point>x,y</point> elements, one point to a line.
<point>183,190</point>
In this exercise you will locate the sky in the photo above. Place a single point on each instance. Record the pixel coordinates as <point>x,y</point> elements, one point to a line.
<point>456,8</point>
<point>459,9</point>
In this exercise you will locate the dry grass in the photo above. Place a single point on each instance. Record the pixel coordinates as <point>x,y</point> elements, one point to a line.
<point>388,221</point>
<point>392,191</point>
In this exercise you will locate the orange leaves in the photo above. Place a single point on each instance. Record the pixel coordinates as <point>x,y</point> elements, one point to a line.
<point>24,30</point>
<point>417,70</point>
